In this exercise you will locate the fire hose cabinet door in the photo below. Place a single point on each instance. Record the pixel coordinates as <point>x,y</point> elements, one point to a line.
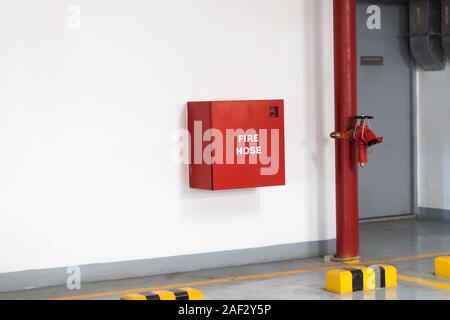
<point>236,144</point>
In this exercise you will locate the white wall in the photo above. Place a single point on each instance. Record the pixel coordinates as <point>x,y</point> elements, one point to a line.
<point>434,139</point>
<point>87,116</point>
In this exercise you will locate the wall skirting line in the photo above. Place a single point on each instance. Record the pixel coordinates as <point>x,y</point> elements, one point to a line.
<point>434,214</point>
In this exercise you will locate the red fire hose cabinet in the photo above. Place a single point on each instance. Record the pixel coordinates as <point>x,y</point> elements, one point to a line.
<point>236,144</point>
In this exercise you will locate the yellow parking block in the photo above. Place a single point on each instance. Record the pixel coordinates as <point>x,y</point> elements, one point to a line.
<point>442,267</point>
<point>139,297</point>
<point>178,294</point>
<point>194,294</point>
<point>350,280</point>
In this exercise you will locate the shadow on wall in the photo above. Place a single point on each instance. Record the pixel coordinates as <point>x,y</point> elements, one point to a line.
<point>316,42</point>
<point>246,203</point>
<point>215,203</point>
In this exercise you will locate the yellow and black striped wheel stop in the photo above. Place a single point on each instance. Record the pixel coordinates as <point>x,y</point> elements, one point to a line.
<point>356,279</point>
<point>178,294</point>
<point>385,276</point>
<point>350,280</point>
<point>442,267</point>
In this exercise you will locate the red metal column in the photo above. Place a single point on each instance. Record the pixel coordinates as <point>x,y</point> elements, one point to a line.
<point>345,110</point>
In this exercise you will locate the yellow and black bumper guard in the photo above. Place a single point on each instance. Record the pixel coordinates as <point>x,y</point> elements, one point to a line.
<point>442,267</point>
<point>178,294</point>
<point>355,279</point>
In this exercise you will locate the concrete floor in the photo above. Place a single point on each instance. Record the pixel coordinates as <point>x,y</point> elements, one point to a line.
<point>410,245</point>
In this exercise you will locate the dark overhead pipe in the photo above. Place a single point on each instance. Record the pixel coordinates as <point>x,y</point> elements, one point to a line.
<point>347,219</point>
<point>445,25</point>
<point>425,34</point>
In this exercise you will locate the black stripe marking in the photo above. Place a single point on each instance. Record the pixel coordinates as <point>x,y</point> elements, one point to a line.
<point>153,297</point>
<point>382,277</point>
<point>357,279</point>
<point>181,295</point>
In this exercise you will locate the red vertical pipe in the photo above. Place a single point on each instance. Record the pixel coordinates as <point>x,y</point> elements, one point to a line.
<point>345,110</point>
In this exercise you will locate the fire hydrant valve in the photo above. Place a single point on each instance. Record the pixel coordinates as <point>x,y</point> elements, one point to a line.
<point>363,136</point>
